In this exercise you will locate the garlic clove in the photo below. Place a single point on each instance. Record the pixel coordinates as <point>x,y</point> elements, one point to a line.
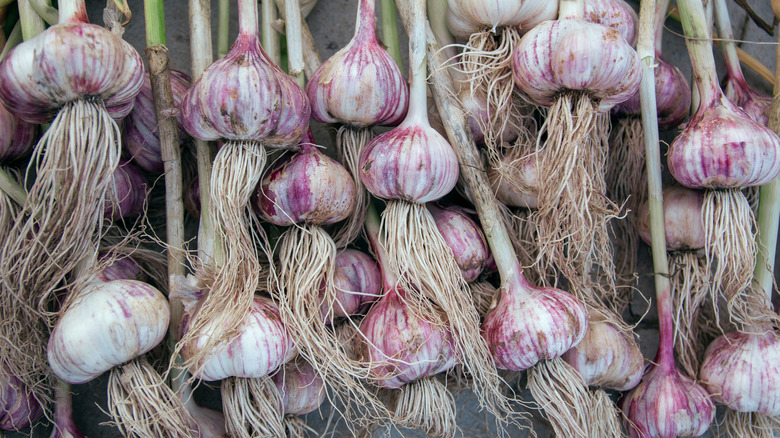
<point>529,324</point>
<point>305,186</point>
<point>740,371</point>
<point>412,162</point>
<point>300,386</point>
<point>464,237</point>
<point>107,325</point>
<point>682,219</point>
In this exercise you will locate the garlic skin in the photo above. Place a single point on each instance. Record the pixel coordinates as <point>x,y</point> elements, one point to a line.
<point>360,85</point>
<point>301,388</point>
<point>139,132</point>
<point>412,162</point>
<point>526,174</point>
<point>721,147</point>
<point>682,219</point>
<point>357,281</point>
<point>306,186</point>
<point>17,137</point>
<point>399,347</point>
<point>262,345</point>
<point>529,324</point>
<point>34,84</point>
<point>465,17</point>
<point>121,268</point>
<point>475,108</point>
<point>616,14</point>
<point>667,404</point>
<point>128,189</point>
<point>740,371</point>
<point>245,96</point>
<point>574,55</point>
<point>753,103</point>
<point>18,407</point>
<point>108,324</point>
<point>606,357</point>
<point>464,237</point>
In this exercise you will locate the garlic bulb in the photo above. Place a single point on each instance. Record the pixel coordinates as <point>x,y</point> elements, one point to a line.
<point>399,347</point>
<point>528,324</point>
<point>107,325</point>
<point>306,186</point>
<point>616,14</point>
<point>99,65</point>
<point>360,85</point>
<point>465,17</point>
<point>18,407</point>
<point>121,268</point>
<point>475,106</point>
<point>522,189</point>
<point>262,345</point>
<point>464,236</point>
<point>357,282</point>
<point>682,219</point>
<point>128,192</point>
<point>192,198</point>
<point>740,371</point>
<point>17,137</point>
<point>560,55</point>
<point>412,162</point>
<point>607,357</point>
<point>300,386</point>
<point>139,134</point>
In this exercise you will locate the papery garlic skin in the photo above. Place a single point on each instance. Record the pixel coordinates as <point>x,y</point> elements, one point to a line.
<point>307,186</point>
<point>754,104</point>
<point>360,85</point>
<point>682,219</point>
<point>35,84</point>
<point>17,137</point>
<point>128,190</point>
<point>606,357</point>
<point>616,14</point>
<point>357,283</point>
<point>412,162</point>
<point>139,132</point>
<point>572,55</point>
<point>721,147</point>
<point>108,324</point>
<point>668,404</point>
<point>18,407</point>
<point>465,17</point>
<point>245,96</point>
<point>262,346</point>
<point>529,324</point>
<point>300,386</point>
<point>464,237</point>
<point>741,371</point>
<point>399,347</point>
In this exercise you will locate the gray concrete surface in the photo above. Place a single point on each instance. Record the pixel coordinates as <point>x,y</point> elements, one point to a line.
<point>332,24</point>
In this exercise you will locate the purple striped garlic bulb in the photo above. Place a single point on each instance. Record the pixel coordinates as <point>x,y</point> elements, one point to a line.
<point>300,386</point>
<point>560,55</point>
<point>518,188</point>
<point>128,192</point>
<point>139,134</point>
<point>17,137</point>
<point>740,371</point>
<point>616,14</point>
<point>465,237</point>
<point>466,17</point>
<point>357,282</point>
<point>18,407</point>
<point>399,347</point>
<point>360,85</point>
<point>528,324</point>
<point>305,186</point>
<point>101,66</point>
<point>125,318</point>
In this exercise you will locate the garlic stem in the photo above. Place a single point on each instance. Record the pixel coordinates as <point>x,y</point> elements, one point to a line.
<point>726,36</point>
<point>292,28</point>
<point>661,11</point>
<point>247,18</point>
<point>571,9</point>
<point>32,24</point>
<point>13,189</point>
<point>70,11</point>
<point>14,38</point>
<point>63,407</point>
<point>390,30</point>
<point>413,11</point>
<point>697,39</point>
<point>373,224</point>
<point>154,13</point>
<point>223,27</point>
<point>365,27</point>
<point>311,59</point>
<point>646,51</point>
<point>768,216</point>
<point>270,36</point>
<point>46,11</point>
<point>472,170</point>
